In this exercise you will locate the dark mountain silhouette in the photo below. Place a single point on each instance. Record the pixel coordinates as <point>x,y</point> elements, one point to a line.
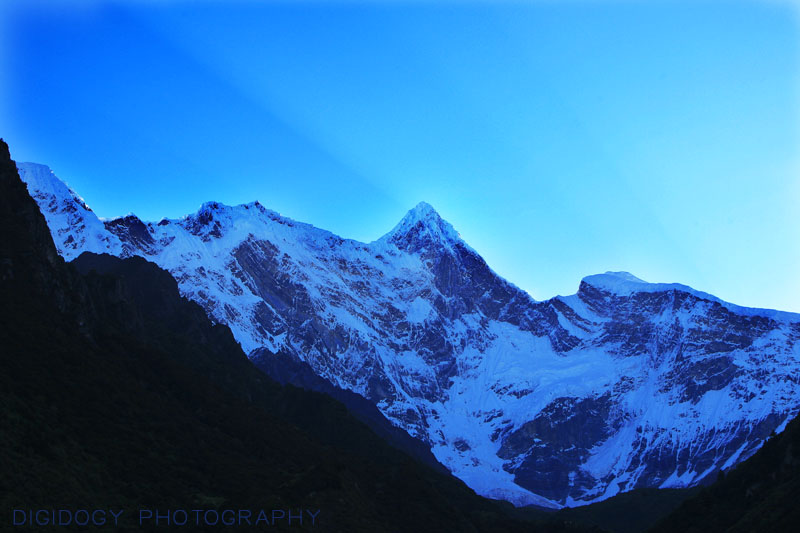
<point>286,369</point>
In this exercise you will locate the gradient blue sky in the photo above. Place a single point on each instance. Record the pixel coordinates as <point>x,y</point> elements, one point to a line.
<point>560,138</point>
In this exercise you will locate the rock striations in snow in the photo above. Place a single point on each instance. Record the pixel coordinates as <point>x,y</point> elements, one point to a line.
<point>562,402</point>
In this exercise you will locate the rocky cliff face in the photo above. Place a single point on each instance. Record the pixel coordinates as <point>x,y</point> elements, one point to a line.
<point>561,402</point>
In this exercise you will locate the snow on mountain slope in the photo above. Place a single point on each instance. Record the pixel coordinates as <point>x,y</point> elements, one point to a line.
<point>74,226</point>
<point>625,384</point>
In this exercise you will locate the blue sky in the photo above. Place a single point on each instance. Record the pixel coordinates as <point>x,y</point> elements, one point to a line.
<point>561,139</point>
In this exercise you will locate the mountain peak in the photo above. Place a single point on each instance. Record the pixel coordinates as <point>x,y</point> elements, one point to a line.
<point>424,210</point>
<point>420,228</point>
<point>614,281</point>
<point>626,284</point>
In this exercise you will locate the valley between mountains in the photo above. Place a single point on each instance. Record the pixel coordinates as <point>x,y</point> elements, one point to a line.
<point>562,402</point>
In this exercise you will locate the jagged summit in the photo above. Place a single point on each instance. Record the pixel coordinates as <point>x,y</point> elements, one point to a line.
<point>424,210</point>
<point>213,208</point>
<point>421,228</point>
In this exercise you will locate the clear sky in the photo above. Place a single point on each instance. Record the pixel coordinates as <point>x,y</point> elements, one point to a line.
<point>561,139</point>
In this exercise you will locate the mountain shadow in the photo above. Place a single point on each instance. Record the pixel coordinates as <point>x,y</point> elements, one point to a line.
<point>288,370</point>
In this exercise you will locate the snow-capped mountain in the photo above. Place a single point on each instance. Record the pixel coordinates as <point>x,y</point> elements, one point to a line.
<point>561,402</point>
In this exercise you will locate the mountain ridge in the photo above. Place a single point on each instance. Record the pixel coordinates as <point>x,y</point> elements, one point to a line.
<point>117,392</point>
<point>555,403</point>
<point>422,212</point>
